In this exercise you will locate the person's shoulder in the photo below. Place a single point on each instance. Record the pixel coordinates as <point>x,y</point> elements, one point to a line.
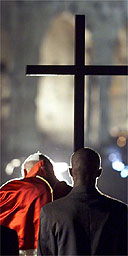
<point>54,207</point>
<point>34,181</point>
<point>56,203</point>
<point>12,184</point>
<point>18,182</point>
<point>25,184</point>
<point>114,203</point>
<point>38,186</point>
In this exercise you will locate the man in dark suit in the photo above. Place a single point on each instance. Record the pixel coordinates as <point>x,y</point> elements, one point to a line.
<point>85,222</point>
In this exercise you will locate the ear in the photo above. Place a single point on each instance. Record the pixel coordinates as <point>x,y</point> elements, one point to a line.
<point>25,172</point>
<point>99,172</point>
<point>70,171</point>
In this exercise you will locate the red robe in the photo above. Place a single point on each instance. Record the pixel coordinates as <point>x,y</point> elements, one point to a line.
<point>20,203</point>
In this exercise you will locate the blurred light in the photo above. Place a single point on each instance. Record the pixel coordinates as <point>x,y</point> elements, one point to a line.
<point>60,167</point>
<point>121,141</point>
<point>118,166</point>
<point>114,157</point>
<point>124,172</point>
<point>9,169</point>
<point>114,132</point>
<point>10,166</point>
<point>16,162</point>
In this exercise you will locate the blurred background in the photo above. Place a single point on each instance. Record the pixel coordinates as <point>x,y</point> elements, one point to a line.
<point>37,113</point>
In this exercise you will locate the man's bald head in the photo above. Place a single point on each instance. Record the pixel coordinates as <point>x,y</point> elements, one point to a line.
<point>86,165</point>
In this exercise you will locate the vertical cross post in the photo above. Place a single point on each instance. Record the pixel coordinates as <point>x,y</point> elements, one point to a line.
<point>79,82</point>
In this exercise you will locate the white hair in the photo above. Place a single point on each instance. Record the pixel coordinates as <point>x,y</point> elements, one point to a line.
<point>34,157</point>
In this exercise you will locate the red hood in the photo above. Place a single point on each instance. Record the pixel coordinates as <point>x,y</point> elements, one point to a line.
<point>37,169</point>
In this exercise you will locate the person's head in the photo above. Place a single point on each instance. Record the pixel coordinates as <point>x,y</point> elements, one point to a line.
<point>33,159</point>
<point>86,167</point>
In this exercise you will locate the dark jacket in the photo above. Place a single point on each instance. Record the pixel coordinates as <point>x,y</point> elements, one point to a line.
<point>83,224</point>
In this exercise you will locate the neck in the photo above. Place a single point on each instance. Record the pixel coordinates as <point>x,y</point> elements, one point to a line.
<point>90,185</point>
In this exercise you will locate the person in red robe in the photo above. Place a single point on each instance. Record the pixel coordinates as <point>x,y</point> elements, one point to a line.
<point>22,199</point>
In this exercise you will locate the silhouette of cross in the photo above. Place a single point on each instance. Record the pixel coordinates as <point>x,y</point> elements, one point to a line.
<point>79,70</point>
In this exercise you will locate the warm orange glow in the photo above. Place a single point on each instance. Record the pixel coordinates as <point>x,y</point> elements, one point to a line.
<point>121,141</point>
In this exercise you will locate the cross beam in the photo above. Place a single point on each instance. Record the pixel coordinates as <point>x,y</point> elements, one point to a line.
<point>79,70</point>
<point>63,70</point>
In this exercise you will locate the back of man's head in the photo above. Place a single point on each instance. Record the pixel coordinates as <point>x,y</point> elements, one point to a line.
<point>86,165</point>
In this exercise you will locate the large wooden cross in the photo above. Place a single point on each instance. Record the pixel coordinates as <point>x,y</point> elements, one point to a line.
<point>79,70</point>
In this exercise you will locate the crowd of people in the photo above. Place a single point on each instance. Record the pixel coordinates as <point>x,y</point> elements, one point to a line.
<point>42,216</point>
